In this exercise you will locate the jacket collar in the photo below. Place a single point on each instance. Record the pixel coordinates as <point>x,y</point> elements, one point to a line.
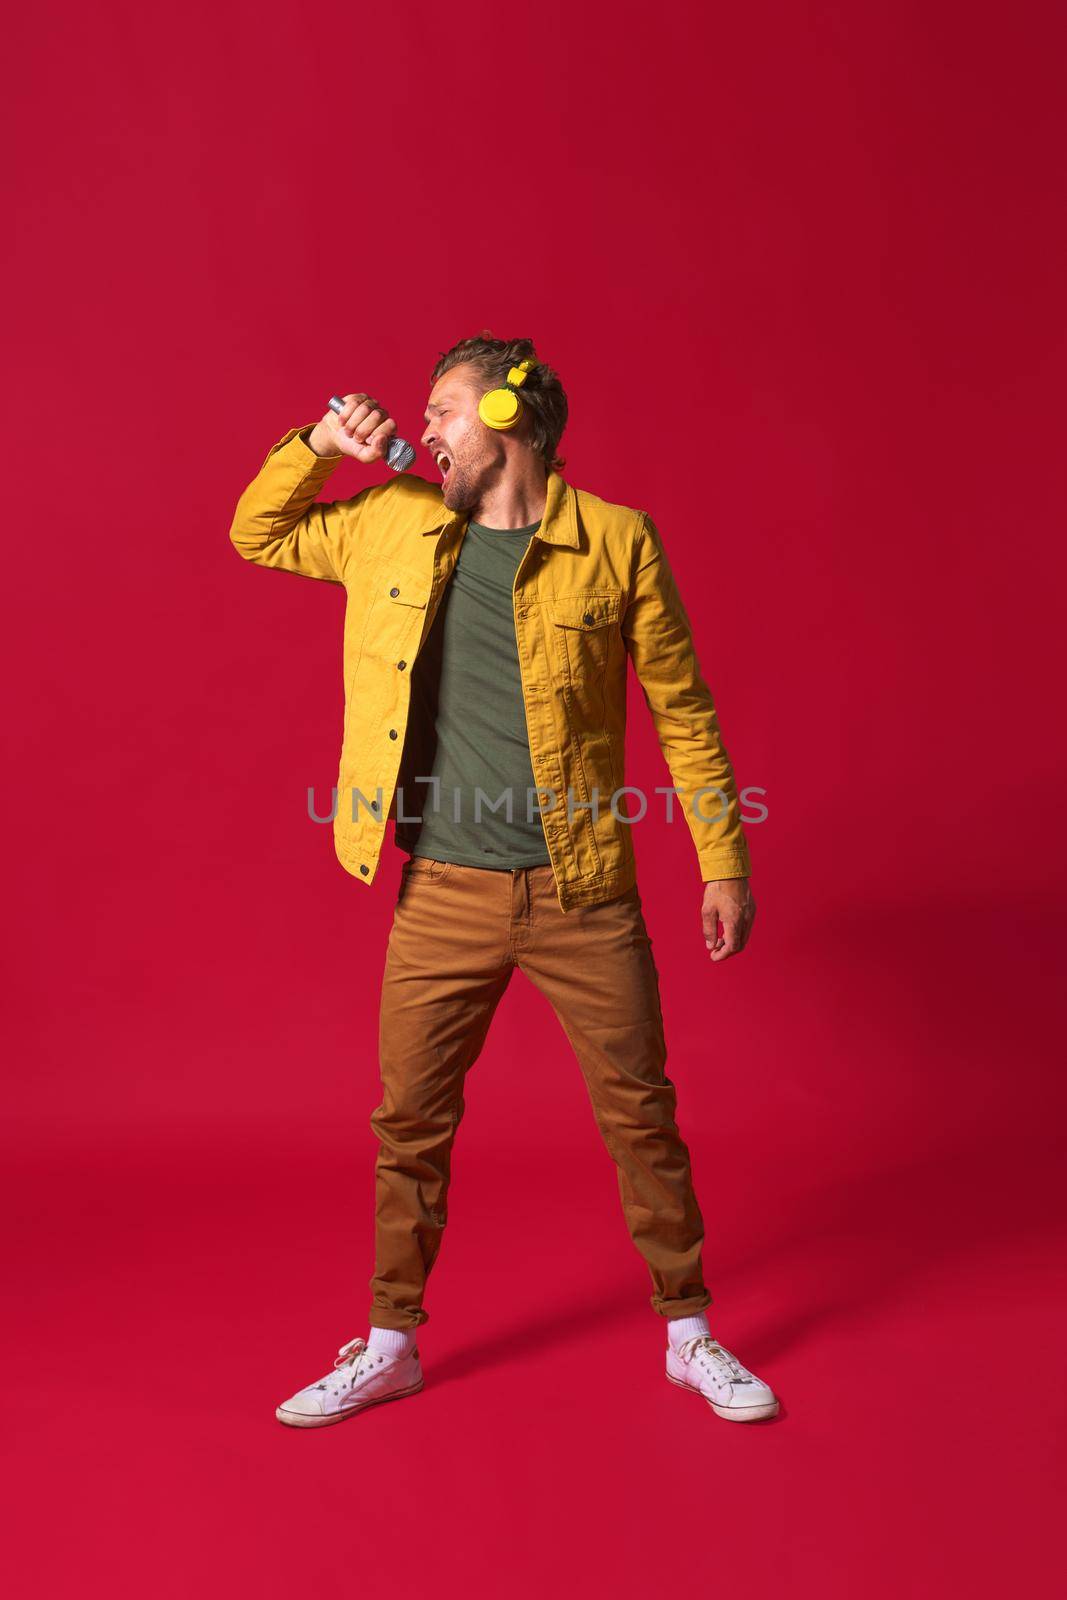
<point>559,521</point>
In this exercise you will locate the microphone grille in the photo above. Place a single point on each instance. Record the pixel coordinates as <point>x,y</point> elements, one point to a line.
<point>399,455</point>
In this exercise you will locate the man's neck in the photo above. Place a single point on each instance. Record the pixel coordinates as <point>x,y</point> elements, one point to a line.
<point>516,502</point>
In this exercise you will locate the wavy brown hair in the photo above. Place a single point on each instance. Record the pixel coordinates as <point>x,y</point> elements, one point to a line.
<point>543,401</point>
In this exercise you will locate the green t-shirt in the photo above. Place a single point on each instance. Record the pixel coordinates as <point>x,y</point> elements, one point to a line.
<point>467,723</point>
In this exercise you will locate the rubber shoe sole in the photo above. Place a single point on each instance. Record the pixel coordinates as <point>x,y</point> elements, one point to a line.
<point>730,1413</point>
<point>294,1419</point>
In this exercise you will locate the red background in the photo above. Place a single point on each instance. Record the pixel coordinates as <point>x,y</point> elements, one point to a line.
<point>801,268</point>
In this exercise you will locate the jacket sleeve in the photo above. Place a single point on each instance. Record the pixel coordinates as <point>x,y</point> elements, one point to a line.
<point>660,643</point>
<point>280,523</point>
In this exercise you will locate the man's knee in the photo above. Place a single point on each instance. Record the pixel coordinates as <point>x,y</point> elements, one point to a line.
<point>406,1116</point>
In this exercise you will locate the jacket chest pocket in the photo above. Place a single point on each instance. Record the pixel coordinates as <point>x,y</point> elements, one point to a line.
<point>397,612</point>
<point>585,626</point>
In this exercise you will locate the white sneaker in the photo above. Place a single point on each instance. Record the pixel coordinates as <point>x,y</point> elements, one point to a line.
<point>360,1378</point>
<point>704,1366</point>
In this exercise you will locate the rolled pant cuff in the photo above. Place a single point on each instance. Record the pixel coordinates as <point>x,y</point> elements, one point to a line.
<point>691,1307</point>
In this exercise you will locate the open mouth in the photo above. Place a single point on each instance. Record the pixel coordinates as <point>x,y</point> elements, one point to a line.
<point>444,464</point>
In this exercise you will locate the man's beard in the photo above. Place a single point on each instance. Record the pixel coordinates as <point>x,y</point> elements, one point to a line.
<point>460,493</point>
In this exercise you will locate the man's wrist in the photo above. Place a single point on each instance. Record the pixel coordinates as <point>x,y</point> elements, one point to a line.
<point>318,441</point>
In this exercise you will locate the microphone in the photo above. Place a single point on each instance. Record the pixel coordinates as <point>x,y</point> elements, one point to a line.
<point>399,454</point>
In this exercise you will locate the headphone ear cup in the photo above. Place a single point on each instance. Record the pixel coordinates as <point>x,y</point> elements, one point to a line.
<point>500,409</point>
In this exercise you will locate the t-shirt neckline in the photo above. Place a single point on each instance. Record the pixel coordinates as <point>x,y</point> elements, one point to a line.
<point>483,527</point>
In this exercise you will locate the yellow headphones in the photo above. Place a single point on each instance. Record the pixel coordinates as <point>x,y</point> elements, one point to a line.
<point>500,408</point>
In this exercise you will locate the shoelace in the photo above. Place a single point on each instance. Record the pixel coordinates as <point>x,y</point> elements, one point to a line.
<point>349,1355</point>
<point>729,1367</point>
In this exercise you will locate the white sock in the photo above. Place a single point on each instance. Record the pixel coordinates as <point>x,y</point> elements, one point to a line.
<point>679,1328</point>
<point>391,1341</point>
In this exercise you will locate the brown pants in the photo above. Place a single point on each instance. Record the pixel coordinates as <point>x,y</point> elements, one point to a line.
<point>458,934</point>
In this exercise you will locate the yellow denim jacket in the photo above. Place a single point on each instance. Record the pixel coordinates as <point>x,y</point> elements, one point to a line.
<point>593,590</point>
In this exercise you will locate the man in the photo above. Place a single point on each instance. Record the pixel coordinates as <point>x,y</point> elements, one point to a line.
<point>489,624</point>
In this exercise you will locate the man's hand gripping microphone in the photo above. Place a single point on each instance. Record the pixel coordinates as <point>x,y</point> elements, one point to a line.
<point>368,433</point>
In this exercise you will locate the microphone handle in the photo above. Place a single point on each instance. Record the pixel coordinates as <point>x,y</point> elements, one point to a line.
<point>399,454</point>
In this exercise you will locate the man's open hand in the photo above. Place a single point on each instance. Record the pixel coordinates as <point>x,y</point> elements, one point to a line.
<point>728,902</point>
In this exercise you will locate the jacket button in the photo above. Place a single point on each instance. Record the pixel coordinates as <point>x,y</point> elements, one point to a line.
<point>588,617</point>
<point>364,870</point>
<point>392,733</point>
<point>374,805</point>
<point>394,591</point>
<point>401,665</point>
